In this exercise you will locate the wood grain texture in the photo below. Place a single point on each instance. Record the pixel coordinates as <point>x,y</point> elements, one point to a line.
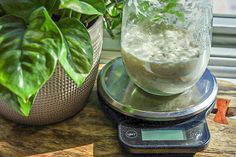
<point>227,90</point>
<point>73,152</point>
<point>93,127</point>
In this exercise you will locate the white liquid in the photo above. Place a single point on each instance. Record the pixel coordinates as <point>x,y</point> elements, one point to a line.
<point>162,62</point>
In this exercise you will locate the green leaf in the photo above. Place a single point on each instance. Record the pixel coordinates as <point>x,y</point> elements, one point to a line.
<point>79,58</point>
<point>80,7</point>
<point>24,8</point>
<point>28,55</point>
<point>99,5</point>
<point>12,101</point>
<point>9,99</point>
<point>51,5</point>
<point>26,107</point>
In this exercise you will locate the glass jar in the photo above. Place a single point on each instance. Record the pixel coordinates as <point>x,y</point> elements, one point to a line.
<point>166,43</point>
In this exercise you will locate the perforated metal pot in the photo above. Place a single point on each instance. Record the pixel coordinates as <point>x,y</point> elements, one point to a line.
<point>60,98</point>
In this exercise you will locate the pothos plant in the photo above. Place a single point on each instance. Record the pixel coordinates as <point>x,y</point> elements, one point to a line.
<point>35,36</point>
<point>113,16</point>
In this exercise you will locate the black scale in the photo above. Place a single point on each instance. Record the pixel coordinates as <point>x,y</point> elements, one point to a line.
<point>149,124</point>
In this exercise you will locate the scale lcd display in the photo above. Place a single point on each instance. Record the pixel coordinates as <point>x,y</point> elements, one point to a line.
<point>163,135</point>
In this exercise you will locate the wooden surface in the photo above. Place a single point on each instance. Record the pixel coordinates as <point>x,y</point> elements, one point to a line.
<point>92,128</point>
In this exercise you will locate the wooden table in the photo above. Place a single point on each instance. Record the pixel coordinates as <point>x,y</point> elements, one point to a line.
<point>91,128</point>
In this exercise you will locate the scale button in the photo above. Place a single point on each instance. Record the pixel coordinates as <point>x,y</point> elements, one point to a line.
<point>131,134</point>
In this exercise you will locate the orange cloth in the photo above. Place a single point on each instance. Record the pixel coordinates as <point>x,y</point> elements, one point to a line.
<point>222,106</point>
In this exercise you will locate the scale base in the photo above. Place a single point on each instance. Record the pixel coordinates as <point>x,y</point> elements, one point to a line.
<point>134,145</point>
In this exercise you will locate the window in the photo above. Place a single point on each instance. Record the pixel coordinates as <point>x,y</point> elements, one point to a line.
<point>225,8</point>
<point>223,56</point>
<point>224,23</point>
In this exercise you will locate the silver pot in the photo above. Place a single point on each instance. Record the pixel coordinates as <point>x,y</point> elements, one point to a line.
<point>60,98</point>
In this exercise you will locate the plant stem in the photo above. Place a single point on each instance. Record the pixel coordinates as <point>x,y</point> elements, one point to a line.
<point>90,19</point>
<point>78,16</point>
<point>70,13</point>
<point>63,13</point>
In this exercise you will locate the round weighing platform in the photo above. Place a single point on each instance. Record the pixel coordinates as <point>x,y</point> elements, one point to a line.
<point>121,94</point>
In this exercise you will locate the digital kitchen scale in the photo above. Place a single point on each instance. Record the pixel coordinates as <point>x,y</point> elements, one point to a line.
<point>152,124</point>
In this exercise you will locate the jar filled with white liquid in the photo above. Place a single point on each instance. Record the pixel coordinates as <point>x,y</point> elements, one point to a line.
<point>166,43</point>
